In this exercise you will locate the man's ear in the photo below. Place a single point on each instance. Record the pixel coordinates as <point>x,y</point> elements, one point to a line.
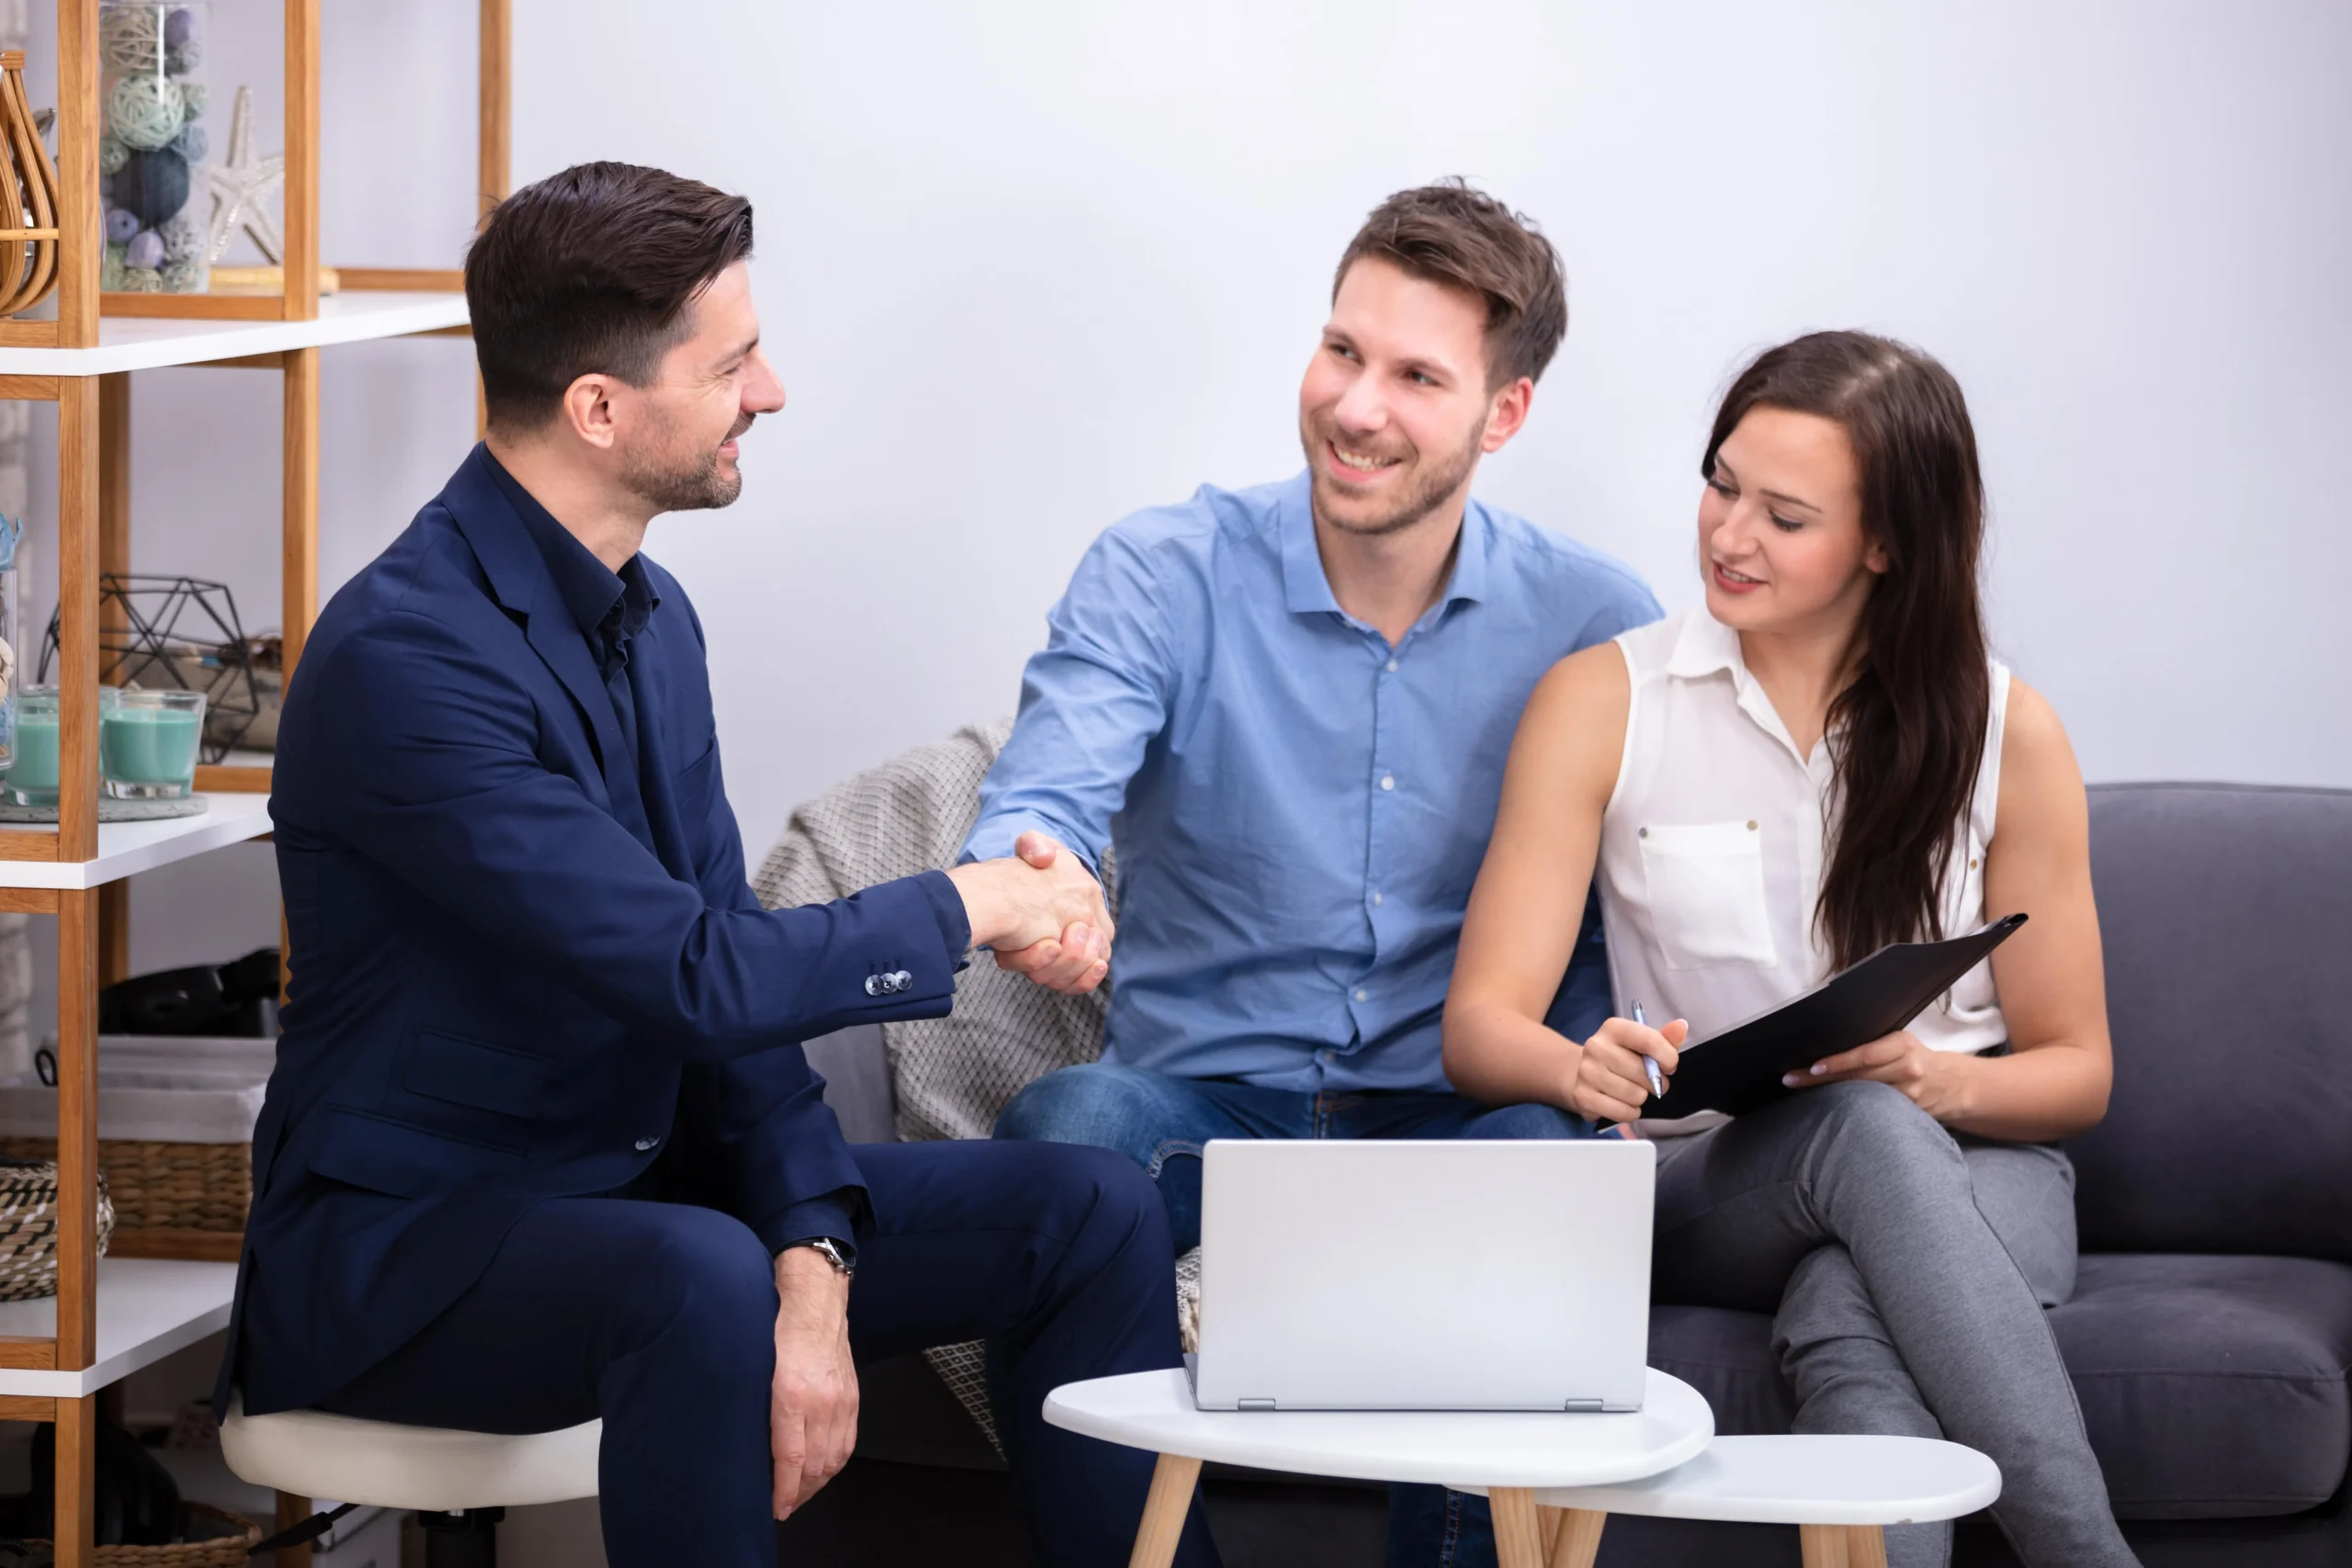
<point>588,409</point>
<point>1507,413</point>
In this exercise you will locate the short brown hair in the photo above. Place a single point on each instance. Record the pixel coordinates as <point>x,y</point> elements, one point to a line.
<point>592,269</point>
<point>1464,239</point>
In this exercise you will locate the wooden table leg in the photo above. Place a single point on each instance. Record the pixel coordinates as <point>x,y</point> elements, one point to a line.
<point>1578,1541</point>
<point>1823,1545</point>
<point>1865,1547</point>
<point>1518,1535</point>
<point>1164,1508</point>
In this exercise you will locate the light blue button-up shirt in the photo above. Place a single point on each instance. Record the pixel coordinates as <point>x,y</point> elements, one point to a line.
<point>1299,808</point>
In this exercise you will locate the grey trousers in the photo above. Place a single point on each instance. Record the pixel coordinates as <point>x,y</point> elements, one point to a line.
<point>1906,1271</point>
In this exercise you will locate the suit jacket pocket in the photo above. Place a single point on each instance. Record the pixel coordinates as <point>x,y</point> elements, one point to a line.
<point>391,1157</point>
<point>478,1076</point>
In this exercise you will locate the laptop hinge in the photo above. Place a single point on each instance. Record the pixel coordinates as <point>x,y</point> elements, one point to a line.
<point>1582,1404</point>
<point>1253,1404</point>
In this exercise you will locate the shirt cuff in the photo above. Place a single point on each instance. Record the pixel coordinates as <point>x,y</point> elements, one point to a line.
<point>833,1217</point>
<point>947,906</point>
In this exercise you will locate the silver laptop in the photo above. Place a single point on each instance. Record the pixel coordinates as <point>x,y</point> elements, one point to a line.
<point>1424,1276</point>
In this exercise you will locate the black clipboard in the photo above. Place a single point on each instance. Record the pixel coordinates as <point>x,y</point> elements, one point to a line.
<point>1739,1070</point>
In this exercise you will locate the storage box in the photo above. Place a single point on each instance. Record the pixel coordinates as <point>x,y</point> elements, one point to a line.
<point>175,1126</point>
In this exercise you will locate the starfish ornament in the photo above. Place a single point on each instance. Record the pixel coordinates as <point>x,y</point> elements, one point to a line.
<point>242,186</point>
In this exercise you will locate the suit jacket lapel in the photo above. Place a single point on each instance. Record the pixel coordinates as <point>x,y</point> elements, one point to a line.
<point>519,577</point>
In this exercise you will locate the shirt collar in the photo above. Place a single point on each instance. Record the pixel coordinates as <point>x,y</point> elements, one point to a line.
<point>1705,647</point>
<point>1305,586</point>
<point>608,606</point>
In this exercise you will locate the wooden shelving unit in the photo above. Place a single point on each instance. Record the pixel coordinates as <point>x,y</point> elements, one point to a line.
<point>112,1316</point>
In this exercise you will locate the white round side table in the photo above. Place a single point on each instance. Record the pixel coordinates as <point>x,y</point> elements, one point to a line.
<point>1840,1493</point>
<point>1507,1455</point>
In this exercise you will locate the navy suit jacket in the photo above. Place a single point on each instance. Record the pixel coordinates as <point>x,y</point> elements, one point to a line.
<point>504,988</point>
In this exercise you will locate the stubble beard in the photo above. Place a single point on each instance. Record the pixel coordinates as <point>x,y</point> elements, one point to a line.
<point>1440,481</point>
<point>695,484</point>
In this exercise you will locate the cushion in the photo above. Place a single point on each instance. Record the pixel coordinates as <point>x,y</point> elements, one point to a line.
<point>2225,910</point>
<point>2213,1387</point>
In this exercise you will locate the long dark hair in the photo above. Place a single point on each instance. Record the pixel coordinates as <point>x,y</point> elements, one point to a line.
<point>1906,734</point>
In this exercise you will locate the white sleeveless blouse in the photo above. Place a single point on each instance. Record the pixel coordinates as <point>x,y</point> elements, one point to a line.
<point>1711,848</point>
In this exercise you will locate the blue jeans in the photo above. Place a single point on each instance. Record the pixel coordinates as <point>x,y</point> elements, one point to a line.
<point>1160,1122</point>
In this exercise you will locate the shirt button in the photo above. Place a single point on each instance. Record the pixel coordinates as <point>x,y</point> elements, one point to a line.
<point>1362,995</point>
<point>1375,899</point>
<point>1392,667</point>
<point>1389,781</point>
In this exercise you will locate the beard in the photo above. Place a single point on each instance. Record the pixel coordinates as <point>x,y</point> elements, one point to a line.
<point>1439,479</point>
<point>669,482</point>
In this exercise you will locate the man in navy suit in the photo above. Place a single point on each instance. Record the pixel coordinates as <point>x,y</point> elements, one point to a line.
<point>542,1144</point>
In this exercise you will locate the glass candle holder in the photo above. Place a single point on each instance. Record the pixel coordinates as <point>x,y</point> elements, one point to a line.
<point>32,767</point>
<point>154,144</point>
<point>148,742</point>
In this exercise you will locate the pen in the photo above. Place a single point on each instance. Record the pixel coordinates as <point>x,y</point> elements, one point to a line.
<point>1658,1084</point>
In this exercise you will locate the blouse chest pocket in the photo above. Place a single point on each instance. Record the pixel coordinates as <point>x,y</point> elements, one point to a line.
<point>1705,881</point>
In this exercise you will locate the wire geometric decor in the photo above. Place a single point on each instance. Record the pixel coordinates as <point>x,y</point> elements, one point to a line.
<point>165,633</point>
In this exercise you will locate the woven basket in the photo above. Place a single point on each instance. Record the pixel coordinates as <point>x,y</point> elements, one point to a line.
<point>179,1187</point>
<point>29,1228</point>
<point>225,1551</point>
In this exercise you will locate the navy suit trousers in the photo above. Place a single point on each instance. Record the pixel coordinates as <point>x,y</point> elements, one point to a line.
<point>659,1317</point>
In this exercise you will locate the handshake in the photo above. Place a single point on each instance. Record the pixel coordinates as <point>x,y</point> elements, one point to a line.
<point>1042,913</point>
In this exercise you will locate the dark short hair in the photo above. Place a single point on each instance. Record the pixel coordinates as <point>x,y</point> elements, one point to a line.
<point>1464,239</point>
<point>592,270</point>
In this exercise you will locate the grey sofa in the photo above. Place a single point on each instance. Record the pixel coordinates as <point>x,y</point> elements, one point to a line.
<point>2212,1330</point>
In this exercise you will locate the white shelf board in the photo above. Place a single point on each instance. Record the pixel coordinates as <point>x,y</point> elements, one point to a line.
<point>148,1307</point>
<point>151,342</point>
<point>126,849</point>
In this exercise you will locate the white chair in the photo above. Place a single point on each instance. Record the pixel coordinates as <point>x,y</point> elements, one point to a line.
<point>1840,1493</point>
<point>461,1483</point>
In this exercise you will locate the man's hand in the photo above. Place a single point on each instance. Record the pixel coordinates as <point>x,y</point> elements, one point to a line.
<point>1043,913</point>
<point>812,1405</point>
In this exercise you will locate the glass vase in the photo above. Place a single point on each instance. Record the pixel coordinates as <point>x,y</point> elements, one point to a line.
<point>154,145</point>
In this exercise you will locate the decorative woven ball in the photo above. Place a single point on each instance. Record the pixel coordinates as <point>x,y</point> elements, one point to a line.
<point>110,270</point>
<point>121,225</point>
<point>129,38</point>
<point>112,155</point>
<point>185,26</point>
<point>145,251</point>
<point>195,95</point>
<point>153,185</point>
<point>183,235</point>
<point>189,277</point>
<point>180,59</point>
<point>142,280</point>
<point>146,111</point>
<point>193,141</point>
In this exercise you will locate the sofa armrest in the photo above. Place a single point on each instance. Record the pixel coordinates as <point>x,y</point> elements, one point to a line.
<point>857,1070</point>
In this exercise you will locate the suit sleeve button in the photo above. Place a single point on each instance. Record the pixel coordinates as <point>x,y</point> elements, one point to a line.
<point>874,985</point>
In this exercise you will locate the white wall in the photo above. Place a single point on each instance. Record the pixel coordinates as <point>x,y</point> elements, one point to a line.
<point>1026,267</point>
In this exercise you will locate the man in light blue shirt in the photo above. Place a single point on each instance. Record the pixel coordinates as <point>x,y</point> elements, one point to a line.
<point>1291,708</point>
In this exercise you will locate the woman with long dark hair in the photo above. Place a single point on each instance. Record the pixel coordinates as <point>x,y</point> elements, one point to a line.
<point>1823,760</point>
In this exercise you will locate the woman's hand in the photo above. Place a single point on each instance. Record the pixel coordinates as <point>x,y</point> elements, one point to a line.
<point>1933,1080</point>
<point>1610,1083</point>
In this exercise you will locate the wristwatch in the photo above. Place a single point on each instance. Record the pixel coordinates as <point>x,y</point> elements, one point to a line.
<point>843,1261</point>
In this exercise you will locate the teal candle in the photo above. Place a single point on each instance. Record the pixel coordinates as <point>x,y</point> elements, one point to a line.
<point>144,746</point>
<point>34,770</point>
